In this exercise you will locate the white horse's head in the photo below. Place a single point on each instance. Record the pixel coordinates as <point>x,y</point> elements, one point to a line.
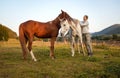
<point>65,27</point>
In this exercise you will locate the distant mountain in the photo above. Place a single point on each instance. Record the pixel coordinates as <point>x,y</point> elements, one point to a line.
<point>114,29</point>
<point>11,33</point>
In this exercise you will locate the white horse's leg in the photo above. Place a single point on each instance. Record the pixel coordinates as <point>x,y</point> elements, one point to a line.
<point>32,55</point>
<point>72,46</point>
<point>78,45</point>
<point>81,41</point>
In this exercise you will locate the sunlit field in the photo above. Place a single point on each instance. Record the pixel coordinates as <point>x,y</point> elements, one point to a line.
<point>105,62</point>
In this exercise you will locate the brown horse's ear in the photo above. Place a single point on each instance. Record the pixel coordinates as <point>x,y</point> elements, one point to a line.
<point>62,11</point>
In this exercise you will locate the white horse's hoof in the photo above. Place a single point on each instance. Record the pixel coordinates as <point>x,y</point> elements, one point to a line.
<point>34,60</point>
<point>72,55</point>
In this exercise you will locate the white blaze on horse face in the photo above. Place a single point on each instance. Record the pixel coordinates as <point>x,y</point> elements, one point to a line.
<point>32,55</point>
<point>65,26</point>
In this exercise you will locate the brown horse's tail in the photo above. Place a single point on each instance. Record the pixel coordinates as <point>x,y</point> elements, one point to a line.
<point>23,41</point>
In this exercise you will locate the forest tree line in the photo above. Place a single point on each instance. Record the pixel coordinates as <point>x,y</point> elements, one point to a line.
<point>6,33</point>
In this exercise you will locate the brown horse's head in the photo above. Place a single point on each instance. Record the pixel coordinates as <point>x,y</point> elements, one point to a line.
<point>64,16</point>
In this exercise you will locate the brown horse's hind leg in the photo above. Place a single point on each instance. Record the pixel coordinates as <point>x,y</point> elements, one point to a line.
<point>30,49</point>
<point>23,42</point>
<point>25,49</point>
<point>52,48</point>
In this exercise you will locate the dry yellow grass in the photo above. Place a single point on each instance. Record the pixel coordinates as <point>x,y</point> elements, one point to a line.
<point>104,64</point>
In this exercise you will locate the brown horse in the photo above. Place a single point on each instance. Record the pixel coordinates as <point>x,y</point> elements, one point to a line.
<point>29,29</point>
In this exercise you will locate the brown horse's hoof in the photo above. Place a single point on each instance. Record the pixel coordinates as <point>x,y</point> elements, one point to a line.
<point>24,58</point>
<point>53,57</point>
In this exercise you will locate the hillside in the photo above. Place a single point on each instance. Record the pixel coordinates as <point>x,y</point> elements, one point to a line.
<point>114,29</point>
<point>11,33</point>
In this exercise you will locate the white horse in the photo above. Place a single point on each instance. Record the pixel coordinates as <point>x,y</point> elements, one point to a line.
<point>72,27</point>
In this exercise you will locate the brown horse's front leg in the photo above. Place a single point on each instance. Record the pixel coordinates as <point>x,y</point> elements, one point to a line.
<point>52,48</point>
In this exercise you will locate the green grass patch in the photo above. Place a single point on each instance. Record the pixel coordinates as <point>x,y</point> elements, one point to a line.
<point>103,64</point>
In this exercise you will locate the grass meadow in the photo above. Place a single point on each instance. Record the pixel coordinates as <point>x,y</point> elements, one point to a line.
<point>105,62</point>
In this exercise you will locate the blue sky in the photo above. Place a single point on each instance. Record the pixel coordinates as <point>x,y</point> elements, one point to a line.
<point>102,13</point>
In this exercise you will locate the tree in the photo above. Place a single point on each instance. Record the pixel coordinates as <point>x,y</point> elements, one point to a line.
<point>3,33</point>
<point>114,36</point>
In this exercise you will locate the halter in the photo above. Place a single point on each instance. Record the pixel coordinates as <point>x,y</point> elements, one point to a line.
<point>61,19</point>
